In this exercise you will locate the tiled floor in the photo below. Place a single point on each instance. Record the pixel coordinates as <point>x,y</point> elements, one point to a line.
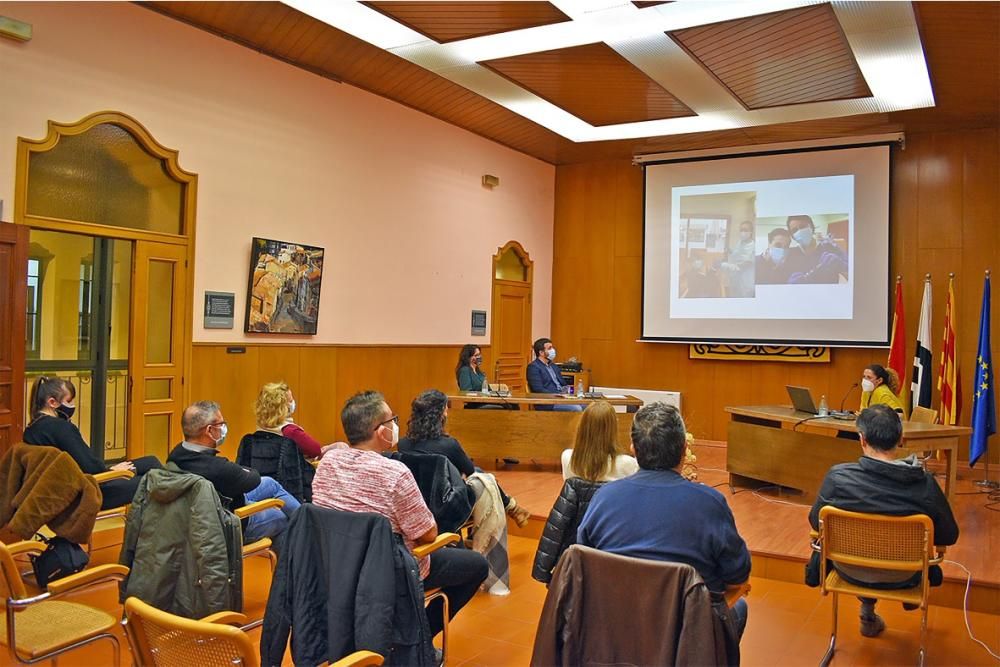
<point>788,625</point>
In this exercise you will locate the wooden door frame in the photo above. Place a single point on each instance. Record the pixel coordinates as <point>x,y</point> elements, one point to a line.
<point>529,266</point>
<point>17,323</point>
<point>169,157</point>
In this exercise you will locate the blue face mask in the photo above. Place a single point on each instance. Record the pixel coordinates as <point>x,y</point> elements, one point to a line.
<point>777,254</point>
<point>803,237</point>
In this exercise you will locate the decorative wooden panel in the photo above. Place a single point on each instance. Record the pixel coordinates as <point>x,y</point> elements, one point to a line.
<point>592,82</point>
<point>760,353</point>
<point>789,57</point>
<point>451,21</point>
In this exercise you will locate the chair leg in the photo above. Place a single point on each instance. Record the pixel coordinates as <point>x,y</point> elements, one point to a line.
<point>444,623</point>
<point>828,656</point>
<point>923,634</point>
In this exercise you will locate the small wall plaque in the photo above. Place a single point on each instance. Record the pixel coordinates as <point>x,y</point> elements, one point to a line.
<point>479,323</point>
<point>219,310</point>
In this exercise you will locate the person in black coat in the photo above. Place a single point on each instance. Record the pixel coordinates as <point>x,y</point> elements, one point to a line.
<point>560,528</point>
<point>880,483</point>
<point>52,406</point>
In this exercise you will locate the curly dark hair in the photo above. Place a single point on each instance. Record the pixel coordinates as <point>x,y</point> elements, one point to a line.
<point>464,356</point>
<point>427,416</point>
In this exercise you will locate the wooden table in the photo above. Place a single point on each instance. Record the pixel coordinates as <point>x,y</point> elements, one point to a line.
<point>772,443</point>
<point>525,433</point>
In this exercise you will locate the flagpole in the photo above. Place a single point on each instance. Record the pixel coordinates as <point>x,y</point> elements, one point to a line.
<point>986,482</point>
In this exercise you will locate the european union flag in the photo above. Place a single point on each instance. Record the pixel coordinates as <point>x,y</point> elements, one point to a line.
<point>984,407</point>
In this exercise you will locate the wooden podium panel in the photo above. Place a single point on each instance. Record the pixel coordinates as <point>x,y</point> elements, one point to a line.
<point>522,434</point>
<point>778,445</point>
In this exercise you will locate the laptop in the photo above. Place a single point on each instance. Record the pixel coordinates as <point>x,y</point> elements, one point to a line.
<point>802,399</point>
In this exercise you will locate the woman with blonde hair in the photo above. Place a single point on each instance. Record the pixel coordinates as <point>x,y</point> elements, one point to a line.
<point>274,408</point>
<point>595,456</point>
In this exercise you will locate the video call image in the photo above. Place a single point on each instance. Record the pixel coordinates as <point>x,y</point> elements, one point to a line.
<point>725,250</point>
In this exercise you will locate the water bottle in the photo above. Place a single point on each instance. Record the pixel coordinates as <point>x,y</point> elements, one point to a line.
<point>579,387</point>
<point>824,411</point>
<point>486,385</point>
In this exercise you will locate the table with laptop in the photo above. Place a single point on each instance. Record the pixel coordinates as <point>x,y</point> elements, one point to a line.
<point>794,447</point>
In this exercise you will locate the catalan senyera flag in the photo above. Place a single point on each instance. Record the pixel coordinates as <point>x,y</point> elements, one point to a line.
<point>897,344</point>
<point>947,381</point>
<point>923,359</point>
<point>984,405</point>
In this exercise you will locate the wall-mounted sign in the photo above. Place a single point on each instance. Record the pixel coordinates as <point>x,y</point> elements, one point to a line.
<point>219,308</point>
<point>479,323</point>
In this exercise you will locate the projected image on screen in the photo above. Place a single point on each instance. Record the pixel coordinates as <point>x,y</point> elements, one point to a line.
<point>772,248</point>
<point>803,249</point>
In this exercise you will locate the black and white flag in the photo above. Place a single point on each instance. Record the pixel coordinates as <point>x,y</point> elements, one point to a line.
<point>920,386</point>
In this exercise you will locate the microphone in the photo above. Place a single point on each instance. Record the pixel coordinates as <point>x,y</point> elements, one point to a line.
<point>853,387</point>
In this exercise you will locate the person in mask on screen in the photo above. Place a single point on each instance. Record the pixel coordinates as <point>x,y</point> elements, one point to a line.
<point>700,280</point>
<point>813,260</point>
<point>739,265</point>
<point>772,265</point>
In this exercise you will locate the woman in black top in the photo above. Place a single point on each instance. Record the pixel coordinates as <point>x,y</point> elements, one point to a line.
<point>425,435</point>
<point>52,407</point>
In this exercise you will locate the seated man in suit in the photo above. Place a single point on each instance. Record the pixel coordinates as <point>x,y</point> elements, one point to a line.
<point>543,376</point>
<point>880,483</point>
<point>657,514</point>
<point>204,430</point>
<point>359,479</point>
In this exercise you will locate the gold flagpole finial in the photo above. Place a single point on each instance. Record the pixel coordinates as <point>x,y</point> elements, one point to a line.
<point>899,278</point>
<point>951,276</point>
<point>927,277</point>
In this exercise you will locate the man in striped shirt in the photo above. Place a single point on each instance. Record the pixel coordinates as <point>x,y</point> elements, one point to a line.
<point>360,479</point>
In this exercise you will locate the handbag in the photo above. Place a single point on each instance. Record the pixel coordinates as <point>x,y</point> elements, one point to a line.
<point>61,558</point>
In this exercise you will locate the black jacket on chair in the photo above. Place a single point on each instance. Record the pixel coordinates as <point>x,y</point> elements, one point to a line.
<point>447,495</point>
<point>345,583</point>
<point>279,458</point>
<point>560,527</point>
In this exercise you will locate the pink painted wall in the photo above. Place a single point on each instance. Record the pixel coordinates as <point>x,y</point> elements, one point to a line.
<point>392,194</point>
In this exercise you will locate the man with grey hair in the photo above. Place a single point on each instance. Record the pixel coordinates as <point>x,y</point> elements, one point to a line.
<point>204,430</point>
<point>657,514</point>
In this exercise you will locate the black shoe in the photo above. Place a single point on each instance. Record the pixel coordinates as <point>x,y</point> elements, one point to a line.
<point>910,606</point>
<point>438,657</point>
<point>511,461</point>
<point>872,626</point>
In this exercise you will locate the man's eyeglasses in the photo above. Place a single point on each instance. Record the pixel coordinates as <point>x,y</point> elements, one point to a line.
<point>394,419</point>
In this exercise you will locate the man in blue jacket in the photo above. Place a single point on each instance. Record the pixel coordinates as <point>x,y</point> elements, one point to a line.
<point>543,376</point>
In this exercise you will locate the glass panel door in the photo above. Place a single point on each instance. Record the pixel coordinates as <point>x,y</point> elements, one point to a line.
<point>77,308</point>
<point>157,346</point>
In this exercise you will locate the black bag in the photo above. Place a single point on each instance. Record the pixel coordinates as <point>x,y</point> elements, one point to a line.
<point>61,558</point>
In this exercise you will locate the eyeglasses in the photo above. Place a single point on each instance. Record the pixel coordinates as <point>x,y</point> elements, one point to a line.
<point>394,419</point>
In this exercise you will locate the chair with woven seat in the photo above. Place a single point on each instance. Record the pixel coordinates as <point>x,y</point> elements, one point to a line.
<point>42,627</point>
<point>162,639</point>
<point>896,543</point>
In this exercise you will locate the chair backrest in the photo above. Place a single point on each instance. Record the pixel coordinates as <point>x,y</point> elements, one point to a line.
<point>162,639</point>
<point>922,415</point>
<point>442,487</point>
<point>903,543</point>
<point>279,457</point>
<point>11,575</point>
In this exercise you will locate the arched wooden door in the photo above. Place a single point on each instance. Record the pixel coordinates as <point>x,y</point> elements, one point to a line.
<point>511,333</point>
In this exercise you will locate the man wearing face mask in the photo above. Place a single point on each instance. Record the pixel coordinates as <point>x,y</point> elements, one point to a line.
<point>543,376</point>
<point>204,431</point>
<point>360,479</point>
<point>813,261</point>
<point>771,267</point>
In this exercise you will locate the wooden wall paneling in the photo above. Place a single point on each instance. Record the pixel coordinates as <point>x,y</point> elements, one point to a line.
<point>939,197</point>
<point>629,208</point>
<point>316,392</point>
<point>231,380</point>
<point>277,363</point>
<point>626,318</point>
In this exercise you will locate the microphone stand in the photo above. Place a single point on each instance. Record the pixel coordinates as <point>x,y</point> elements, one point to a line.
<point>844,399</point>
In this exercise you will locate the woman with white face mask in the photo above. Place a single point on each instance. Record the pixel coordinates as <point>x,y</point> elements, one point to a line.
<point>880,386</point>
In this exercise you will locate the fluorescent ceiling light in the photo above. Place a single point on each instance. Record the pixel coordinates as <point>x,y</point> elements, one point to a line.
<point>882,35</point>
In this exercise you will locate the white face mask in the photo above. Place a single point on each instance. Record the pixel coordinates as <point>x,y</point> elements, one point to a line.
<point>394,438</point>
<point>223,432</point>
<point>745,235</point>
<point>551,354</point>
<point>867,385</point>
<point>291,407</point>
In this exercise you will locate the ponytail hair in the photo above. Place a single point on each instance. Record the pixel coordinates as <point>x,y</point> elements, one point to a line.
<point>46,387</point>
<point>888,376</point>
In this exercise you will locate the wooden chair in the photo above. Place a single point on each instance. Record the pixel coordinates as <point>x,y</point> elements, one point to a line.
<point>431,594</point>
<point>113,512</point>
<point>922,415</point>
<point>899,543</point>
<point>262,547</point>
<point>42,627</point>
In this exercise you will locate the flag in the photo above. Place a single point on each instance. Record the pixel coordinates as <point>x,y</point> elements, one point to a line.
<point>984,407</point>
<point>920,386</point>
<point>897,344</point>
<point>947,382</point>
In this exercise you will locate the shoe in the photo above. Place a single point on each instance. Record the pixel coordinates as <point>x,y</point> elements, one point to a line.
<point>518,513</point>
<point>909,606</point>
<point>438,656</point>
<point>872,626</point>
<point>510,460</point>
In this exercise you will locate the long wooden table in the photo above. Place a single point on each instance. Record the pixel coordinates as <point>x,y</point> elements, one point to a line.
<point>779,445</point>
<point>525,433</point>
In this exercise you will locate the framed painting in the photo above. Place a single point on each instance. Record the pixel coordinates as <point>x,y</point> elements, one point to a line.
<point>283,288</point>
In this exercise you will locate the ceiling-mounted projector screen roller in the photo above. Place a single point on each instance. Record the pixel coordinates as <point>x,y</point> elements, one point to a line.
<point>776,248</point>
